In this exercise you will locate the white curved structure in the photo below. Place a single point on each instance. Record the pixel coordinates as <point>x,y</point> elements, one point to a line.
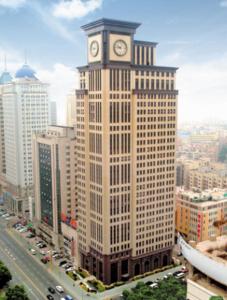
<point>210,267</point>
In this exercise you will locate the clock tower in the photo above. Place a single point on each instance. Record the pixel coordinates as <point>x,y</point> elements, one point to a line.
<point>126,127</point>
<point>110,41</point>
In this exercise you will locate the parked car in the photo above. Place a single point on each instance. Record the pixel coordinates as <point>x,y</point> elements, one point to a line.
<point>51,290</point>
<point>33,251</point>
<point>41,246</point>
<point>153,285</point>
<point>184,269</point>
<point>59,289</point>
<point>50,297</point>
<point>63,262</point>
<point>67,297</point>
<point>180,275</point>
<point>45,259</point>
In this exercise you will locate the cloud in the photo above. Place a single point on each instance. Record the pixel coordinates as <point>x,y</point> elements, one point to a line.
<point>223,3</point>
<point>51,22</point>
<point>62,80</point>
<point>203,90</point>
<point>73,9</point>
<point>12,3</point>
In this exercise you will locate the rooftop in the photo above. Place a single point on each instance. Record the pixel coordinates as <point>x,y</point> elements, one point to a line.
<point>25,72</point>
<point>211,196</point>
<point>110,25</point>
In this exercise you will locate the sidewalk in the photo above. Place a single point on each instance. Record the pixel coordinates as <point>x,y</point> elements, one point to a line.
<point>72,287</point>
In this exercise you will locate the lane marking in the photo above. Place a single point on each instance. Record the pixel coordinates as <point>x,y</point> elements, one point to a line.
<point>20,270</point>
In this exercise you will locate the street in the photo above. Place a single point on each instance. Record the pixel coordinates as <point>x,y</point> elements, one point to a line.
<point>25,270</point>
<point>36,278</point>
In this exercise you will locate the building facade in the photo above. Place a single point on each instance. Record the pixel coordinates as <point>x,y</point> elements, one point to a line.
<point>126,134</point>
<point>196,213</point>
<point>5,78</point>
<point>55,185</point>
<point>71,109</point>
<point>25,111</point>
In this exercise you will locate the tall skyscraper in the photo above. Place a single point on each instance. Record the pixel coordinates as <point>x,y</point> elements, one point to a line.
<point>126,131</point>
<point>25,111</point>
<point>5,78</point>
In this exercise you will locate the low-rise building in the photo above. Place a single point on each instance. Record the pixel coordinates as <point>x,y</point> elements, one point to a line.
<point>197,211</point>
<point>55,186</point>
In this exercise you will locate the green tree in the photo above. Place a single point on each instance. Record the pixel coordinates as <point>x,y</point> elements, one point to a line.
<point>16,293</point>
<point>222,155</point>
<point>216,298</point>
<point>5,275</point>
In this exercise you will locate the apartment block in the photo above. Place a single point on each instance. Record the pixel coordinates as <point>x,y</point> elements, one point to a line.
<point>197,211</point>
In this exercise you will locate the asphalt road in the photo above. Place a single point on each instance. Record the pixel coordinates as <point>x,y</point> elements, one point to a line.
<point>25,270</point>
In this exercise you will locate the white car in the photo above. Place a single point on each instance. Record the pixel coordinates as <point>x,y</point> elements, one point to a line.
<point>23,229</point>
<point>5,215</point>
<point>154,285</point>
<point>70,269</point>
<point>59,289</point>
<point>33,251</point>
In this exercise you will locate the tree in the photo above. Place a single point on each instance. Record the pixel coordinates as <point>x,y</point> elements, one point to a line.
<point>222,155</point>
<point>216,298</point>
<point>16,293</point>
<point>5,275</point>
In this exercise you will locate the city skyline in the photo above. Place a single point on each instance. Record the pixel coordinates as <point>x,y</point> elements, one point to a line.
<point>189,37</point>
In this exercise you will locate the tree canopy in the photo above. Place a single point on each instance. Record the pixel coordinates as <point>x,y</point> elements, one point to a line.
<point>5,275</point>
<point>216,298</point>
<point>16,293</point>
<point>168,289</point>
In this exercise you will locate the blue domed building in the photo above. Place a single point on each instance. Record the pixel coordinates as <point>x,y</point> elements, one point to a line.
<point>25,72</point>
<point>5,78</point>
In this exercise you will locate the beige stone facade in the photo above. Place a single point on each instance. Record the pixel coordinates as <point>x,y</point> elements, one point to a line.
<point>126,134</point>
<point>55,183</point>
<point>71,110</point>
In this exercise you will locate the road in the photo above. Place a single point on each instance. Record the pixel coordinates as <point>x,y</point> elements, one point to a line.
<point>25,270</point>
<point>36,278</point>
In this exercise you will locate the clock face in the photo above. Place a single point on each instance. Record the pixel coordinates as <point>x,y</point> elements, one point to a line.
<point>94,48</point>
<point>120,48</point>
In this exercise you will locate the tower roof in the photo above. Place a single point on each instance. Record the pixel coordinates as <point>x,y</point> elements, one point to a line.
<point>5,78</point>
<point>25,72</point>
<point>111,25</point>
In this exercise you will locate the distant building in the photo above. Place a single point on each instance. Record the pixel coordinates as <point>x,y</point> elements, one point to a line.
<point>55,186</point>
<point>53,113</point>
<point>25,103</point>
<point>71,110</point>
<point>202,174</point>
<point>197,211</point>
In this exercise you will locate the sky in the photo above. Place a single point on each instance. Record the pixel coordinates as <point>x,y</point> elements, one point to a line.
<point>191,35</point>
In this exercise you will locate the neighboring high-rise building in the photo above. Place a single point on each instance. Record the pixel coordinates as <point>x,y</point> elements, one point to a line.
<point>25,111</point>
<point>196,213</point>
<point>126,134</point>
<point>5,78</point>
<point>71,109</point>
<point>55,186</point>
<point>53,113</point>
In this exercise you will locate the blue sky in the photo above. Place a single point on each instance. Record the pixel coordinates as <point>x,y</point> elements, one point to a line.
<point>192,35</point>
